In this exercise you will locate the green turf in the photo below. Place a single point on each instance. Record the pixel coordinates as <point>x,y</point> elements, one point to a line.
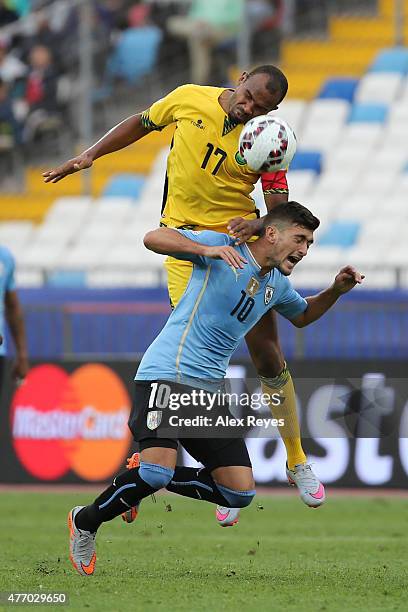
<point>350,555</point>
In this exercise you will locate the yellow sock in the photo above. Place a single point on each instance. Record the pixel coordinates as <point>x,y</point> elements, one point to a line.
<point>286,410</point>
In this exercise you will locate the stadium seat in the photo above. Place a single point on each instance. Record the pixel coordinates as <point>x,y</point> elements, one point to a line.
<point>378,87</point>
<point>321,137</point>
<point>397,255</point>
<point>127,185</point>
<point>65,207</point>
<point>307,160</point>
<point>347,158</point>
<point>67,278</point>
<point>340,233</point>
<point>41,255</point>
<point>135,54</point>
<point>362,254</point>
<point>342,88</point>
<point>16,234</point>
<point>334,184</point>
<point>391,60</point>
<point>29,278</point>
<point>107,278</point>
<point>81,257</point>
<point>357,207</point>
<point>300,183</point>
<point>363,135</point>
<point>292,111</point>
<point>326,111</point>
<point>365,112</point>
<point>379,229</point>
<point>328,255</point>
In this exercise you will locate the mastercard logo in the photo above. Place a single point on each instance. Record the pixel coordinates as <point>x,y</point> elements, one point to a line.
<point>62,422</point>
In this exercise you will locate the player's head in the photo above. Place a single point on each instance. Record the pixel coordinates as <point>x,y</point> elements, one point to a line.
<point>287,234</point>
<point>258,92</point>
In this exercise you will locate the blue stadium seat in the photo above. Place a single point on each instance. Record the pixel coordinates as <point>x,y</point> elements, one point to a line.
<point>307,160</point>
<point>67,278</point>
<point>135,54</point>
<point>126,185</point>
<point>391,60</point>
<point>340,233</point>
<point>339,88</point>
<point>368,113</point>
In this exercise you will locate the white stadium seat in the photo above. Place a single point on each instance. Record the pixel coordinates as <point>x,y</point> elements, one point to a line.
<point>300,183</point>
<point>41,255</point>
<point>16,235</point>
<point>292,111</point>
<point>326,111</point>
<point>380,87</point>
<point>69,207</point>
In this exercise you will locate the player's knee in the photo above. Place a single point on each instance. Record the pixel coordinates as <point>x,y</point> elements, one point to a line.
<point>270,362</point>
<point>237,499</point>
<point>157,476</point>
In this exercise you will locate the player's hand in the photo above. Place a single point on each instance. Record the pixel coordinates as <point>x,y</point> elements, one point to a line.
<point>346,279</point>
<point>72,165</point>
<point>228,254</point>
<point>242,229</point>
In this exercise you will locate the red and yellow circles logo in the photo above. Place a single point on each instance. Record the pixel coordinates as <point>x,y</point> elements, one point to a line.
<point>78,422</point>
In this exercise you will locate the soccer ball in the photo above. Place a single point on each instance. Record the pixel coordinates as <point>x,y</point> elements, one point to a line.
<point>267,144</point>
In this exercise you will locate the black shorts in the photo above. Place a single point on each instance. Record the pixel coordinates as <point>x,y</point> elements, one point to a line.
<point>150,428</point>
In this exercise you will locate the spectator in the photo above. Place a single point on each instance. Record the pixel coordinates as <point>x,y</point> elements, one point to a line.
<point>41,91</point>
<point>21,7</point>
<point>10,127</point>
<point>208,24</point>
<point>7,15</point>
<point>44,36</point>
<point>11,68</point>
<point>10,312</point>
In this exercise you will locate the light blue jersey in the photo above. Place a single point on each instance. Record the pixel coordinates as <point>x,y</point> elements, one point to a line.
<point>219,306</point>
<point>7,283</point>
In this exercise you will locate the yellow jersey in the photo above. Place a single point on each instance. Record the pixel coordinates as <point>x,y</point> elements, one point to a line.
<point>207,183</point>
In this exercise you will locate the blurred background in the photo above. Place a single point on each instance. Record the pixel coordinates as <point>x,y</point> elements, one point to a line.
<point>71,69</point>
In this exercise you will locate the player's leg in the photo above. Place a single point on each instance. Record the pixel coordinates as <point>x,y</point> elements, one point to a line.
<point>158,459</point>
<point>226,478</point>
<point>178,276</point>
<point>264,347</point>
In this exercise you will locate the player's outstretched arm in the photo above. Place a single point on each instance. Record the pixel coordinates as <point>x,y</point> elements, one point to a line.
<point>125,133</point>
<point>317,305</point>
<point>167,241</point>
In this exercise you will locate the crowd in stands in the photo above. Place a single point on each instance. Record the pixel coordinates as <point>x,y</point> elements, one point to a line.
<point>176,41</point>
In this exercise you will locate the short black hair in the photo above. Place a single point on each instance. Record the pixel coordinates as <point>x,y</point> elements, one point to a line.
<point>277,83</point>
<point>290,213</point>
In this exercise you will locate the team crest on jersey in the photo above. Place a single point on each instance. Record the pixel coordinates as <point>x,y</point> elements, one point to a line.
<point>154,418</point>
<point>252,286</point>
<point>268,294</point>
<point>239,159</point>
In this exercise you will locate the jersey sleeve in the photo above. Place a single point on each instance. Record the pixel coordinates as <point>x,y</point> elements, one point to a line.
<point>166,110</point>
<point>206,237</point>
<point>274,182</point>
<point>290,303</point>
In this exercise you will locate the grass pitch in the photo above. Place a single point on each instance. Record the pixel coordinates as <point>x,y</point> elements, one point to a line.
<point>349,555</point>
